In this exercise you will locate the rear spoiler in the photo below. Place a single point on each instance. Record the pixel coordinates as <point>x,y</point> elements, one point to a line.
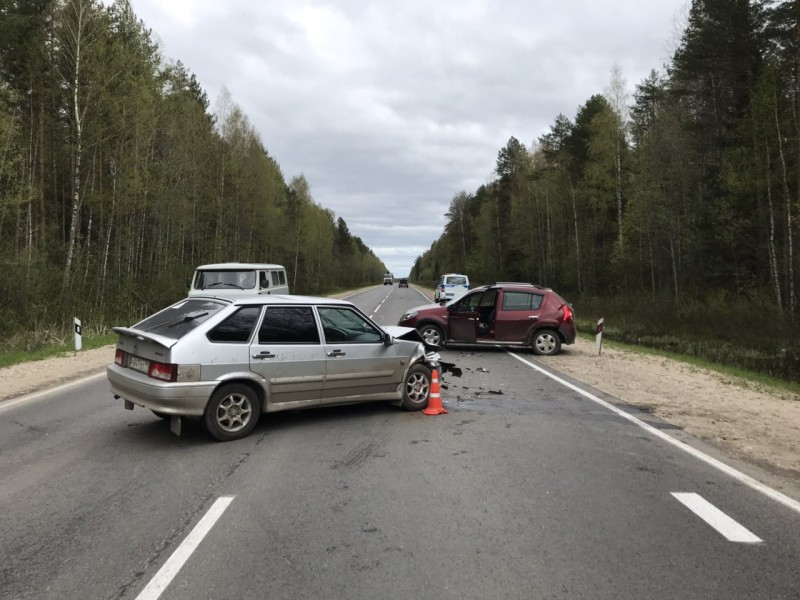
<point>161,340</point>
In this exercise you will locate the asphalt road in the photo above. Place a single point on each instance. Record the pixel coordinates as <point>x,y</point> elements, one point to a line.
<point>527,488</point>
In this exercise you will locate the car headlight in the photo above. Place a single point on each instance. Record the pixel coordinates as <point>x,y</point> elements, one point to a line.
<point>409,315</point>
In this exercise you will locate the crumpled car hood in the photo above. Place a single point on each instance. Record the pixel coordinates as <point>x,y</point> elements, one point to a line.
<point>401,332</point>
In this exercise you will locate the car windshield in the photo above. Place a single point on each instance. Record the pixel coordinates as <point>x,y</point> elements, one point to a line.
<point>206,279</point>
<point>179,319</point>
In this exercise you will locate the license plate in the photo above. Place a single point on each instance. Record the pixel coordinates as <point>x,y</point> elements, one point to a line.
<point>138,364</point>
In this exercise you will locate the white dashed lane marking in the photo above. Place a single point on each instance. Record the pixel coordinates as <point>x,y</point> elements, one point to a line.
<point>725,525</point>
<point>377,308</point>
<point>167,573</point>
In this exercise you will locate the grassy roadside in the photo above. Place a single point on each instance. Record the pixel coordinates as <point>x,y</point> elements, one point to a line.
<point>743,376</point>
<point>50,350</point>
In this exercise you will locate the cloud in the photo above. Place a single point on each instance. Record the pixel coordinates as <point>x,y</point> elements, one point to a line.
<point>390,109</point>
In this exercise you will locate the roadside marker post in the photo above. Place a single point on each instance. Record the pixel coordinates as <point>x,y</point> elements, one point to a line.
<point>598,338</point>
<point>77,334</point>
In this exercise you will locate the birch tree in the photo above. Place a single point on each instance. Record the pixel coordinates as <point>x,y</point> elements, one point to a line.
<point>77,35</point>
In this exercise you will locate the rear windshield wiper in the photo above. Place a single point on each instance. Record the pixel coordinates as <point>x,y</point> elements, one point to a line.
<point>184,319</point>
<point>187,318</point>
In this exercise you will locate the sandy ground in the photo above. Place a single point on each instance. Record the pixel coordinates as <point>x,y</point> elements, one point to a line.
<point>761,426</point>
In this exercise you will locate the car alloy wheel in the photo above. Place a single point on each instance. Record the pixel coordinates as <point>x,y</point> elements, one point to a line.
<point>232,412</point>
<point>417,388</point>
<point>432,335</point>
<point>546,342</point>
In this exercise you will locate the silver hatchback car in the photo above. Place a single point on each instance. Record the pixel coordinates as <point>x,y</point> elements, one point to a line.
<point>227,361</point>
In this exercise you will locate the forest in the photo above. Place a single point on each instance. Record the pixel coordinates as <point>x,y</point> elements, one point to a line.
<point>671,214</point>
<point>117,179</point>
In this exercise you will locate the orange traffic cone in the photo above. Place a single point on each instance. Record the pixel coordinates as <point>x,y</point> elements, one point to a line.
<point>435,401</point>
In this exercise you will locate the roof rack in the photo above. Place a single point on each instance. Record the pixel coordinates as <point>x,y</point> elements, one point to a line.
<point>535,285</point>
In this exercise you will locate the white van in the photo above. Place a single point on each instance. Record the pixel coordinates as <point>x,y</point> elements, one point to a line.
<point>232,280</point>
<point>450,287</point>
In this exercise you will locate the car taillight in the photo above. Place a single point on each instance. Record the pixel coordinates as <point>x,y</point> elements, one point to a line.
<point>119,358</point>
<point>163,371</point>
<point>567,313</point>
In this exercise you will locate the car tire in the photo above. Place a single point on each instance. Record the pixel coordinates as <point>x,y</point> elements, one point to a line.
<point>416,388</point>
<point>432,334</point>
<point>546,342</point>
<point>232,412</point>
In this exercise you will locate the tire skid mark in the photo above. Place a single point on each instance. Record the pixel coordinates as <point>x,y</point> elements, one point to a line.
<point>361,453</point>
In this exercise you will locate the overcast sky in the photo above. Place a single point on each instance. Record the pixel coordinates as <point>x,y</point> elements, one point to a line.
<point>391,108</point>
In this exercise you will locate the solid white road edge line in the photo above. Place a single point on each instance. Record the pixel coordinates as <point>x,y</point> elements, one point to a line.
<point>730,529</point>
<point>6,404</point>
<point>170,568</point>
<point>717,464</point>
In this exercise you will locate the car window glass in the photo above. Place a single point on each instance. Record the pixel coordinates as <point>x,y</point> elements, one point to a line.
<point>237,327</point>
<point>275,279</point>
<point>179,319</point>
<point>263,280</point>
<point>209,280</point>
<point>343,324</point>
<point>489,298</point>
<point>521,301</point>
<point>282,275</point>
<point>288,325</point>
<point>458,280</point>
<point>469,303</point>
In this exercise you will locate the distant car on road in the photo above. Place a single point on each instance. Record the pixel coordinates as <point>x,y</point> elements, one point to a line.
<point>450,287</point>
<point>388,279</point>
<point>403,282</point>
<point>513,314</point>
<point>227,361</point>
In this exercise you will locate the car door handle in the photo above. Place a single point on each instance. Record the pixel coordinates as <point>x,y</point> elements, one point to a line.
<point>336,353</point>
<point>533,318</point>
<point>264,354</point>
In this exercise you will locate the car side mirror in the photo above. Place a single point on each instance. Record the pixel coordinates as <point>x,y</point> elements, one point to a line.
<point>388,340</point>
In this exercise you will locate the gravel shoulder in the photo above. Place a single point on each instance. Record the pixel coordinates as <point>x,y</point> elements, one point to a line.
<point>761,426</point>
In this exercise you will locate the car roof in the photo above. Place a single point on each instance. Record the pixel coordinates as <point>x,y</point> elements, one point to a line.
<point>236,265</point>
<point>281,299</point>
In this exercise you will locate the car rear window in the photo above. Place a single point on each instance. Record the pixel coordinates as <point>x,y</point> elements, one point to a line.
<point>521,301</point>
<point>181,318</point>
<point>456,281</point>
